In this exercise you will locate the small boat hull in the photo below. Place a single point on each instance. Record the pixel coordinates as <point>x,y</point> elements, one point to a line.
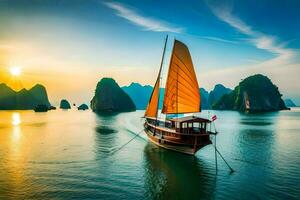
<point>182,148</point>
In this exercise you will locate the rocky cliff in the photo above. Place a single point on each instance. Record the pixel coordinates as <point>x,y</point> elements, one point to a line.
<point>64,104</point>
<point>256,93</point>
<point>109,97</point>
<point>23,99</point>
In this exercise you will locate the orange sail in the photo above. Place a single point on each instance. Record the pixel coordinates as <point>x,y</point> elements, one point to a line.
<point>152,107</point>
<point>182,90</point>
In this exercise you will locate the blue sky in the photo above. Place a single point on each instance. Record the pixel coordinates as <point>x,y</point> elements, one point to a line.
<point>228,40</point>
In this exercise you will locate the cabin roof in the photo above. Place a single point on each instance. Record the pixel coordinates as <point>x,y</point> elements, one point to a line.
<point>158,119</point>
<point>190,119</point>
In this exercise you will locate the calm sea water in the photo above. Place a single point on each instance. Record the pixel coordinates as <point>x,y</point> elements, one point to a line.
<point>72,154</point>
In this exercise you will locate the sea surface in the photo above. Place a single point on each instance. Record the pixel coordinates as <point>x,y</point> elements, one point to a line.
<point>81,155</point>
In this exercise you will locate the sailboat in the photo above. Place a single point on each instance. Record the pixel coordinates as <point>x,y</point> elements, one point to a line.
<point>185,134</point>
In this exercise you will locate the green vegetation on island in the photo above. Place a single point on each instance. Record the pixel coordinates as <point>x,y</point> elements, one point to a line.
<point>23,99</point>
<point>254,94</point>
<point>109,97</point>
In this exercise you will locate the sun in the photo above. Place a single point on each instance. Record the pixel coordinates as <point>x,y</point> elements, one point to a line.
<point>15,71</point>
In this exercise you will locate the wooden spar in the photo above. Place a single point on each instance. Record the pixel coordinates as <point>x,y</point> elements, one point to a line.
<point>216,158</point>
<point>161,64</point>
<point>215,137</point>
<point>159,74</point>
<point>177,97</point>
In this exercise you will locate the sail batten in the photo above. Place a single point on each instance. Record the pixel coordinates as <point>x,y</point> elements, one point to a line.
<point>185,96</point>
<point>186,81</point>
<point>182,90</point>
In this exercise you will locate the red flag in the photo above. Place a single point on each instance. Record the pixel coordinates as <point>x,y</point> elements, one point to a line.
<point>214,118</point>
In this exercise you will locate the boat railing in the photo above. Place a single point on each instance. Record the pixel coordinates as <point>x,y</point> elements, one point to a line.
<point>178,132</point>
<point>160,123</point>
<point>192,130</point>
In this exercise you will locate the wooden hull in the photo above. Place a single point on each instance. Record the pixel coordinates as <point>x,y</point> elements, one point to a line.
<point>179,145</point>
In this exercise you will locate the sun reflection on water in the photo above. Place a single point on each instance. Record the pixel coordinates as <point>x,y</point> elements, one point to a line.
<point>16,119</point>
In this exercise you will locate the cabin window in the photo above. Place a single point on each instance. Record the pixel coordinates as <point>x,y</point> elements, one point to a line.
<point>184,125</point>
<point>168,125</point>
<point>196,125</point>
<point>177,125</point>
<point>190,125</point>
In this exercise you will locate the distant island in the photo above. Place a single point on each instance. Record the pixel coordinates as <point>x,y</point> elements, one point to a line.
<point>109,97</point>
<point>141,94</point>
<point>256,93</point>
<point>64,104</point>
<point>23,99</point>
<point>83,107</point>
<point>210,98</point>
<point>289,103</point>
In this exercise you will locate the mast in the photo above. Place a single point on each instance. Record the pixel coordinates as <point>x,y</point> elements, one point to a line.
<point>153,105</point>
<point>176,89</point>
<point>177,93</point>
<point>172,53</point>
<point>160,69</point>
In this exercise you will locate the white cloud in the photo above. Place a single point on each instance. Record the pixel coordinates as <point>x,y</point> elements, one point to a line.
<point>217,39</point>
<point>147,23</point>
<point>282,69</point>
<point>258,39</point>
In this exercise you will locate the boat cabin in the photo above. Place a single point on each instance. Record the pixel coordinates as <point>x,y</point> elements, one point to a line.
<point>158,122</point>
<point>187,125</point>
<point>190,124</point>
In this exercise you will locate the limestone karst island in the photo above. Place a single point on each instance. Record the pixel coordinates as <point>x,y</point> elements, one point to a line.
<point>120,99</point>
<point>109,97</point>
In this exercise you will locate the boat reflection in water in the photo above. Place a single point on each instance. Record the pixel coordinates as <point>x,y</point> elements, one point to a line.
<point>165,177</point>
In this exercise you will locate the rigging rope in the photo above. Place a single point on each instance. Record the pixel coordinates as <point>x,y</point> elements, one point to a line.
<point>121,147</point>
<point>231,170</point>
<point>217,151</point>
